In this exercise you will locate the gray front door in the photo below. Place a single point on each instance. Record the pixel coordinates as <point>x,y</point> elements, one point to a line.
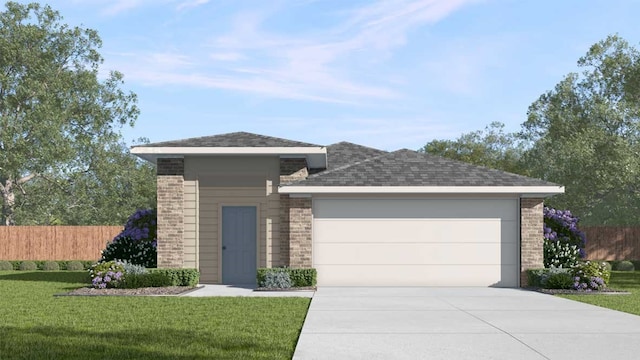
<point>239,237</point>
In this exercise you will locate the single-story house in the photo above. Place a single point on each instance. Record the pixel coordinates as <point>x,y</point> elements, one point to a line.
<point>231,203</point>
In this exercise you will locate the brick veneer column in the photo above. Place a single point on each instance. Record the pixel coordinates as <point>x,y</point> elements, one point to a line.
<point>531,236</point>
<point>284,230</point>
<point>291,170</point>
<point>300,232</point>
<point>170,175</point>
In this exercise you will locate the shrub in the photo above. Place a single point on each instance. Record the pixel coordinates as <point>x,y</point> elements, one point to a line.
<point>305,277</point>
<point>150,279</point>
<point>625,266</point>
<point>276,279</point>
<point>636,264</point>
<point>590,275</point>
<point>558,254</point>
<point>137,242</point>
<point>561,227</point>
<point>5,265</point>
<point>179,277</point>
<point>75,266</point>
<point>28,266</point>
<point>534,277</point>
<point>50,266</point>
<point>559,280</point>
<point>607,265</point>
<point>107,274</point>
<point>133,269</point>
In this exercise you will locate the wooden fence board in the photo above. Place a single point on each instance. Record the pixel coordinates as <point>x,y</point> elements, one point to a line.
<point>612,242</point>
<point>54,242</point>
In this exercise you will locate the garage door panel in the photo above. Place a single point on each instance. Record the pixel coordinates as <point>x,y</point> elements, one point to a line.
<point>418,275</point>
<point>416,254</point>
<point>414,208</point>
<point>416,242</point>
<point>414,230</point>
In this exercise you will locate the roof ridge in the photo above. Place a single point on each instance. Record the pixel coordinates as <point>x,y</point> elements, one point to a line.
<point>346,166</point>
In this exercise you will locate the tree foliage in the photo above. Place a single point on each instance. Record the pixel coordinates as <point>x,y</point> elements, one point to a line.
<point>584,134</point>
<point>491,147</point>
<point>59,121</point>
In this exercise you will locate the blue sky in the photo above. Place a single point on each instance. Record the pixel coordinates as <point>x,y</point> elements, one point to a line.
<point>387,74</point>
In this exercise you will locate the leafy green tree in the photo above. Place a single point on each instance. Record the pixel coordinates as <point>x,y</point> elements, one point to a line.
<point>54,108</point>
<point>585,134</point>
<point>113,185</point>
<point>491,147</point>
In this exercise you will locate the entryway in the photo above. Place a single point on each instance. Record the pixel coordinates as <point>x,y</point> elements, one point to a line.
<point>239,244</point>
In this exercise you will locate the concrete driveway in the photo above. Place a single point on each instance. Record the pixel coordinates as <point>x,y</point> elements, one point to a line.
<point>462,323</point>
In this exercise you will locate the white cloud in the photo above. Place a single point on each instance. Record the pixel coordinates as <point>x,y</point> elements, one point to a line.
<point>183,5</point>
<point>339,63</point>
<point>226,56</point>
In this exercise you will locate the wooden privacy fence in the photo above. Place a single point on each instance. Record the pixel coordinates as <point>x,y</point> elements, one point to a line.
<point>54,242</point>
<point>612,242</point>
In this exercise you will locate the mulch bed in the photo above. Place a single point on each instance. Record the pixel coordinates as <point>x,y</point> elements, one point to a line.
<point>149,291</point>
<point>576,292</point>
<point>289,289</point>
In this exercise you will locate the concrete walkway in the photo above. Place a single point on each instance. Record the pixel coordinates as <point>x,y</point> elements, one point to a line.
<point>244,290</point>
<point>462,323</point>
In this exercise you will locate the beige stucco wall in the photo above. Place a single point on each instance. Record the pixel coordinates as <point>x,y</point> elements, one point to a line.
<point>212,182</point>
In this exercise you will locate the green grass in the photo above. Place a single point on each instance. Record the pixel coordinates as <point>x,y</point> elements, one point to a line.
<point>620,280</point>
<point>36,325</point>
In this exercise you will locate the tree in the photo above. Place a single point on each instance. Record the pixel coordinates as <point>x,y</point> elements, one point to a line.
<point>585,134</point>
<point>54,109</point>
<point>114,185</point>
<point>491,147</point>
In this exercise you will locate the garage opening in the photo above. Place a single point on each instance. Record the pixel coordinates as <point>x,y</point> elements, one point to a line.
<point>416,242</point>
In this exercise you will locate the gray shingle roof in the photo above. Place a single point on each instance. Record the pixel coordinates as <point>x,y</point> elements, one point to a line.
<point>236,139</point>
<point>344,153</point>
<point>411,168</point>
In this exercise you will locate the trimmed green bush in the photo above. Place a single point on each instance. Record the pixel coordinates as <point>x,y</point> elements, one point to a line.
<point>28,266</point>
<point>50,266</point>
<point>534,277</point>
<point>75,266</point>
<point>5,265</point>
<point>559,280</point>
<point>636,263</point>
<point>607,265</point>
<point>625,266</point>
<point>150,279</point>
<point>63,264</point>
<point>305,277</point>
<point>179,277</point>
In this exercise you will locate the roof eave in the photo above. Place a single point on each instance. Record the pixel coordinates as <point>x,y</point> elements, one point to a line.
<point>316,156</point>
<point>524,191</point>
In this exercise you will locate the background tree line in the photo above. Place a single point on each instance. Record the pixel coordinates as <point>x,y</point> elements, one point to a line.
<point>584,134</point>
<point>62,157</point>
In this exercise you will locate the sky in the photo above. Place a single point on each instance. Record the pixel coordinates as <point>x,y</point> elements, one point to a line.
<point>388,74</point>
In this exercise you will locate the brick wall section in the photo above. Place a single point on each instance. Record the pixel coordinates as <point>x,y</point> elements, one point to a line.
<point>293,169</point>
<point>300,221</point>
<point>295,245</point>
<point>170,177</point>
<point>284,230</point>
<point>531,235</point>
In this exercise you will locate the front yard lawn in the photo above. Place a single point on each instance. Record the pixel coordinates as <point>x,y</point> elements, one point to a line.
<point>36,325</point>
<point>620,280</point>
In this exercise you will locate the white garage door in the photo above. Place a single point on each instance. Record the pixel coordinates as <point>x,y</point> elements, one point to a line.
<point>406,242</point>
